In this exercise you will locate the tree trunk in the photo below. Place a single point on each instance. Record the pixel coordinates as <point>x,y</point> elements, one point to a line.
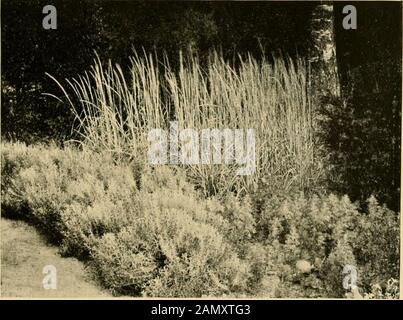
<point>322,55</point>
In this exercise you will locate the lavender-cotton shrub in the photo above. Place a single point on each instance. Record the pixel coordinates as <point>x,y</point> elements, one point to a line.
<point>147,231</point>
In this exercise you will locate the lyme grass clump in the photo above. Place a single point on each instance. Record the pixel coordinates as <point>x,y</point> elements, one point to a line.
<point>115,109</point>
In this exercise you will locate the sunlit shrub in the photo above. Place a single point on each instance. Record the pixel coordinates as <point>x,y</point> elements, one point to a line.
<point>148,231</point>
<point>142,237</point>
<point>376,245</point>
<point>329,233</point>
<point>167,253</point>
<point>391,291</point>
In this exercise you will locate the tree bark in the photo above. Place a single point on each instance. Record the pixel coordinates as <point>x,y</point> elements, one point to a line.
<point>322,53</point>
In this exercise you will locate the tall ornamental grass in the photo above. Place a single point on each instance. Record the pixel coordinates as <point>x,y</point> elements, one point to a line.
<point>115,109</point>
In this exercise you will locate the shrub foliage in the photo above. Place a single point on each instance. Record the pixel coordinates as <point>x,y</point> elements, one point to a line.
<point>146,231</point>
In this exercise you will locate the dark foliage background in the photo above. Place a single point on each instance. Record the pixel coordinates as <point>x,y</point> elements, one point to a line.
<point>364,132</point>
<point>361,130</point>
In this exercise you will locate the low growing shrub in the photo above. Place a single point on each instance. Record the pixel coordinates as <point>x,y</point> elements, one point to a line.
<point>147,231</point>
<point>328,233</point>
<point>139,238</point>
